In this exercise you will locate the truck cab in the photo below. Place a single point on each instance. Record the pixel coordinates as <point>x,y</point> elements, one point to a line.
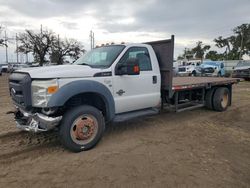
<point>112,80</point>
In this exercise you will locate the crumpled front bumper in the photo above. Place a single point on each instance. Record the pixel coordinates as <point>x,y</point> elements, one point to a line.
<point>35,122</point>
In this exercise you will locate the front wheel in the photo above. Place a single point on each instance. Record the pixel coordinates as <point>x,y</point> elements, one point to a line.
<point>219,74</point>
<point>81,129</point>
<point>194,73</point>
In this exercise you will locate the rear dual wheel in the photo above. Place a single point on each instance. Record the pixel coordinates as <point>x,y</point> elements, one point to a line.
<point>221,99</point>
<point>81,129</point>
<point>218,99</point>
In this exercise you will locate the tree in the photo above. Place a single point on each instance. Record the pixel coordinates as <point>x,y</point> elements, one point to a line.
<point>25,47</point>
<point>237,44</point>
<point>187,54</point>
<point>62,48</point>
<point>2,41</point>
<point>39,43</point>
<point>200,50</point>
<point>214,55</point>
<point>76,50</point>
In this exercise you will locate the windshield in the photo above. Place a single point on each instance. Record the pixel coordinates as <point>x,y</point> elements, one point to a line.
<point>101,57</point>
<point>211,63</point>
<point>244,64</point>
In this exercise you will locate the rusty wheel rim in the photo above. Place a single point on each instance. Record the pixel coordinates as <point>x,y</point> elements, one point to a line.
<point>84,129</point>
<point>224,100</point>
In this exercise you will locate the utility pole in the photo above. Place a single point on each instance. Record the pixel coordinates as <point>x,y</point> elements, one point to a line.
<point>41,29</point>
<point>58,36</point>
<point>92,39</point>
<point>90,36</point>
<point>241,46</point>
<point>6,47</point>
<point>27,57</point>
<point>17,55</point>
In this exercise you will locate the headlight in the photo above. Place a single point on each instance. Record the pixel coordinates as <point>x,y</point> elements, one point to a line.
<point>42,90</point>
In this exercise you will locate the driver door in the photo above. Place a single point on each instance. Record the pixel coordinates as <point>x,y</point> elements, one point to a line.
<point>135,92</point>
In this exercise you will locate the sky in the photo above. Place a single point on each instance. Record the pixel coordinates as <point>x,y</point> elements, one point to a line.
<point>125,21</point>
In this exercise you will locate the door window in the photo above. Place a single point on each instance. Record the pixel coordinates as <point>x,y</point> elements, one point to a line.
<point>141,53</point>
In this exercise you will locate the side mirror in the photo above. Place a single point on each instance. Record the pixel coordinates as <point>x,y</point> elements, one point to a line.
<point>130,67</point>
<point>233,68</point>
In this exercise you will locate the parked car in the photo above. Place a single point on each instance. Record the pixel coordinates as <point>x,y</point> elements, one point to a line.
<point>211,68</point>
<point>0,70</point>
<point>14,67</point>
<point>242,70</point>
<point>5,68</point>
<point>109,84</point>
<point>189,69</point>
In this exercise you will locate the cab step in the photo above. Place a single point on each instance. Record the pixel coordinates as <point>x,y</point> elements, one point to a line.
<point>135,114</point>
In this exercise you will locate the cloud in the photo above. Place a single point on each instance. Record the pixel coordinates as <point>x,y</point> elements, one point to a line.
<point>69,25</point>
<point>139,20</point>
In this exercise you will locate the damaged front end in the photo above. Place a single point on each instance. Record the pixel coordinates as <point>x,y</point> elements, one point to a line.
<point>30,117</point>
<point>35,122</point>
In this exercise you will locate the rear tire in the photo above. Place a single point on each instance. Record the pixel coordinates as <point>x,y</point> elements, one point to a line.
<point>81,128</point>
<point>209,98</point>
<point>221,99</point>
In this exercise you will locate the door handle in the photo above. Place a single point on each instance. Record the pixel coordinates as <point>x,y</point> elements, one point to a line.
<point>154,79</point>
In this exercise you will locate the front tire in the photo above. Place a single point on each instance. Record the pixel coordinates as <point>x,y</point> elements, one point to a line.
<point>194,73</point>
<point>81,128</point>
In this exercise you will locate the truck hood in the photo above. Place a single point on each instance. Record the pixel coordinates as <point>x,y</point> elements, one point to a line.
<point>242,68</point>
<point>208,66</point>
<point>60,71</point>
<point>187,66</point>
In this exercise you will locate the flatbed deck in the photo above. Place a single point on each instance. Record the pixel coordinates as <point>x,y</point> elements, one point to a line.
<point>182,83</point>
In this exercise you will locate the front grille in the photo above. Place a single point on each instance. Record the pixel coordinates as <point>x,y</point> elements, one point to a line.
<point>207,70</point>
<point>182,69</point>
<point>20,89</point>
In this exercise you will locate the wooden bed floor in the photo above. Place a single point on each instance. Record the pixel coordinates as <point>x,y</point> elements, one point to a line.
<point>183,81</point>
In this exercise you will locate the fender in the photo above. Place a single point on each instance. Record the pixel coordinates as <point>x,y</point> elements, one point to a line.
<point>84,86</point>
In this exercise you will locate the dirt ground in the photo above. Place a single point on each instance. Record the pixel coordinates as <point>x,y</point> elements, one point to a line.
<point>198,148</point>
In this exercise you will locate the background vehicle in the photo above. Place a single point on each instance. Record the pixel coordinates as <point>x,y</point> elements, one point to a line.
<point>109,84</point>
<point>189,69</point>
<point>4,68</point>
<point>242,70</point>
<point>212,68</point>
<point>18,66</point>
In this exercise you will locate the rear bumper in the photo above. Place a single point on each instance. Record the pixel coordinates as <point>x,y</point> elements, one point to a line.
<point>35,122</point>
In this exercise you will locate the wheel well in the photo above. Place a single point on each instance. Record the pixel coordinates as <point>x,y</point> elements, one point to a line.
<point>92,99</point>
